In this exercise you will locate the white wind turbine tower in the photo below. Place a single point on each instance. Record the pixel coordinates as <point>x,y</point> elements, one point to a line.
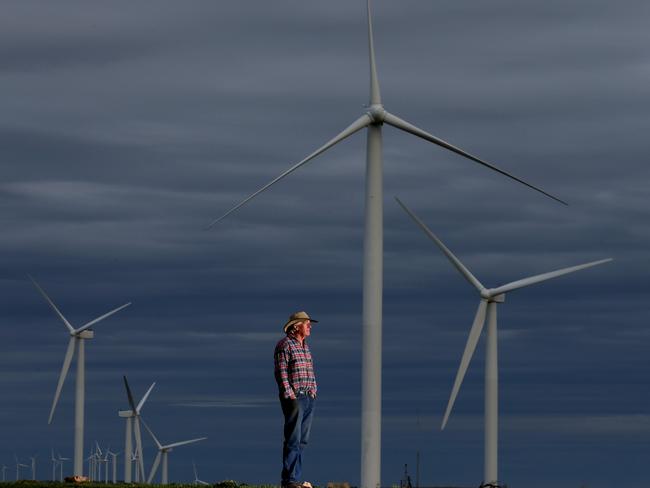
<point>197,481</point>
<point>487,308</point>
<point>77,342</point>
<point>372,120</point>
<point>4,473</point>
<point>163,451</point>
<point>133,427</point>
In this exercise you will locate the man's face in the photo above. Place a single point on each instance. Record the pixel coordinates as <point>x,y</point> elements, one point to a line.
<point>304,328</point>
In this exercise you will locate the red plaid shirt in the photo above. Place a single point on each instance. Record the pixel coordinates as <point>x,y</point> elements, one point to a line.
<point>294,368</point>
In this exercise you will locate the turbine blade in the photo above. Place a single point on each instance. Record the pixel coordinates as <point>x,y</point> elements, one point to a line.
<point>106,315</point>
<point>375,96</point>
<point>357,125</point>
<point>138,445</point>
<point>182,443</point>
<point>543,277</point>
<point>47,298</point>
<point>129,395</point>
<point>144,398</point>
<point>454,260</point>
<point>153,436</point>
<point>196,476</point>
<point>154,468</point>
<point>64,372</point>
<point>411,129</point>
<point>470,346</point>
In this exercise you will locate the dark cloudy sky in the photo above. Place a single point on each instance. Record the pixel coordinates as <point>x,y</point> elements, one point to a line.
<point>126,127</point>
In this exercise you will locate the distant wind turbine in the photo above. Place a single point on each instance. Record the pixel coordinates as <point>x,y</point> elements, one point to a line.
<point>163,451</point>
<point>61,461</point>
<point>4,473</point>
<point>33,458</point>
<point>77,341</point>
<point>133,427</point>
<point>54,463</point>
<point>91,464</point>
<point>372,120</point>
<point>114,464</point>
<point>101,457</point>
<point>487,309</point>
<point>197,481</point>
<point>18,466</point>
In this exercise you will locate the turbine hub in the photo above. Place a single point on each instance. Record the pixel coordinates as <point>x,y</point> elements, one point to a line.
<point>377,113</point>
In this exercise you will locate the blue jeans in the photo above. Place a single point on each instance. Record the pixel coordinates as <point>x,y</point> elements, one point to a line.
<point>298,415</point>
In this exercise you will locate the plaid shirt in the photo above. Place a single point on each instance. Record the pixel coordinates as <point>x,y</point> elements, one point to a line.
<point>294,368</point>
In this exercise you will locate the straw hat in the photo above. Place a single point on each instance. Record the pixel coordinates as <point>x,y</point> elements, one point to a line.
<point>297,317</point>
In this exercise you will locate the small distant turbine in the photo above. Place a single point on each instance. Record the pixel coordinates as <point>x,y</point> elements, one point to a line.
<point>91,465</point>
<point>61,461</point>
<point>487,309</point>
<point>114,464</point>
<point>105,462</point>
<point>101,458</point>
<point>197,481</point>
<point>33,458</point>
<point>18,466</point>
<point>373,120</point>
<point>54,463</point>
<point>133,427</point>
<point>163,451</point>
<point>134,460</point>
<point>4,473</point>
<point>77,341</point>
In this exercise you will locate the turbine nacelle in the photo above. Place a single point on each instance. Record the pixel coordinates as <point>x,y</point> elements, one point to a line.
<point>490,296</point>
<point>377,113</point>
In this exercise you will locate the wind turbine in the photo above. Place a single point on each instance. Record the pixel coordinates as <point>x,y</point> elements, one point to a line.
<point>4,473</point>
<point>77,341</point>
<point>163,451</point>
<point>134,460</point>
<point>91,465</point>
<point>18,466</point>
<point>54,463</point>
<point>61,460</point>
<point>487,309</point>
<point>372,120</point>
<point>105,462</point>
<point>114,463</point>
<point>101,457</point>
<point>133,426</point>
<point>197,481</point>
<point>33,458</point>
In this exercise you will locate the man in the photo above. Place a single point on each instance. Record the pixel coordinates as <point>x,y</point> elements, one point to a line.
<point>294,374</point>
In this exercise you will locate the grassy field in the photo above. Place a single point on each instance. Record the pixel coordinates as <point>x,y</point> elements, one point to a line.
<point>57,484</point>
